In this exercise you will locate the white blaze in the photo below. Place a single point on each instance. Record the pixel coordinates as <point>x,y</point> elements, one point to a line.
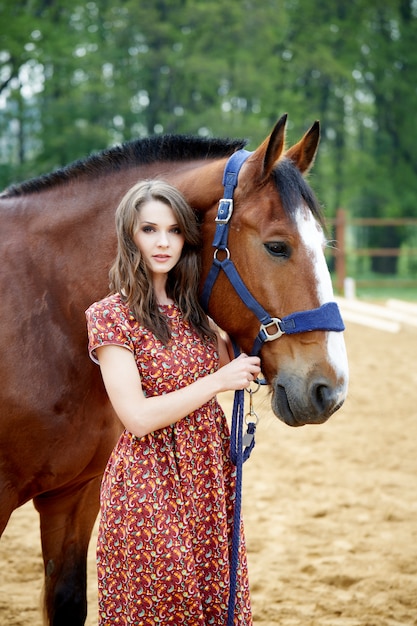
<point>312,236</point>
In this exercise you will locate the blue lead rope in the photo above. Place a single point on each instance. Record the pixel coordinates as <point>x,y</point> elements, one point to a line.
<point>240,450</point>
<point>237,459</point>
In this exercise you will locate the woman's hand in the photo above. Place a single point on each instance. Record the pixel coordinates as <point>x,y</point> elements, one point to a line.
<point>239,373</point>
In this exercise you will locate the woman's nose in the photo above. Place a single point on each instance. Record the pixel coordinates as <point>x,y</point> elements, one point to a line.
<point>163,239</point>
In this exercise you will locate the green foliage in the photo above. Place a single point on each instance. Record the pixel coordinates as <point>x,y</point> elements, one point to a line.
<point>76,77</point>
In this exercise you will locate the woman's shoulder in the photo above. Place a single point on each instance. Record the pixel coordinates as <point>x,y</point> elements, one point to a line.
<point>112,302</point>
<point>109,322</point>
<point>111,311</point>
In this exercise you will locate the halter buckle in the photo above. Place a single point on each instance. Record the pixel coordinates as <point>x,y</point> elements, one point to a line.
<point>222,216</point>
<point>271,336</point>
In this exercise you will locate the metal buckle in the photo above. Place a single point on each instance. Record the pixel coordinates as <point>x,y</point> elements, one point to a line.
<point>224,220</point>
<point>275,321</point>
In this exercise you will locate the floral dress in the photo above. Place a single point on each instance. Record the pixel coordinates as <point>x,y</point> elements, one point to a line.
<point>167,498</point>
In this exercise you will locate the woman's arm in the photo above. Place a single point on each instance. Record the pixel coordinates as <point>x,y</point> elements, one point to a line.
<point>142,415</point>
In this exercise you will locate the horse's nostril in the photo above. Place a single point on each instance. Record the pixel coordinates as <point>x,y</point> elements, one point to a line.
<point>323,397</point>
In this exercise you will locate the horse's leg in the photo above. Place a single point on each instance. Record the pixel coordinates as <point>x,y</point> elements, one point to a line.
<point>67,518</point>
<point>8,503</point>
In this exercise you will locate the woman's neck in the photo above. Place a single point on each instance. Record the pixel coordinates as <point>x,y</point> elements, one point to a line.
<point>161,296</point>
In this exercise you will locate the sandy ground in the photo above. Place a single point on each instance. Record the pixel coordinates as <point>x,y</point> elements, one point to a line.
<point>330,510</point>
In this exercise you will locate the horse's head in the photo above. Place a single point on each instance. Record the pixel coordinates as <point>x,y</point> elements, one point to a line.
<point>276,242</point>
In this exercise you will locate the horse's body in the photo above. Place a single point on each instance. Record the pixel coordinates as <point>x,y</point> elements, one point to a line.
<point>57,243</point>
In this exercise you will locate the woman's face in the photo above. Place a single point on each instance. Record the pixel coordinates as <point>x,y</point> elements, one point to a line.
<point>158,237</point>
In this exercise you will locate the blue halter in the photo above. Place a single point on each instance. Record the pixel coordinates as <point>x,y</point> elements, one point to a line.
<point>326,317</point>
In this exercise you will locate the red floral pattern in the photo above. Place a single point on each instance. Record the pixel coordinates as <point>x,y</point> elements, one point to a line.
<point>167,498</point>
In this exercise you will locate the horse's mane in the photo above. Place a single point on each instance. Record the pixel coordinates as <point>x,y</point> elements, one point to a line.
<point>129,154</point>
<point>292,186</point>
<point>169,148</point>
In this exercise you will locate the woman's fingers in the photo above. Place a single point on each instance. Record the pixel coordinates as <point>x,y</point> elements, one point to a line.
<point>241,371</point>
<point>251,367</point>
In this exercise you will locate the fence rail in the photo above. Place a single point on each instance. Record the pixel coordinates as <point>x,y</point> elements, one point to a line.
<point>341,252</point>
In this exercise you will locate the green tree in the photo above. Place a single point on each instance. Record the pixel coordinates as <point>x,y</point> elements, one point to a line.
<point>77,77</point>
<point>389,67</point>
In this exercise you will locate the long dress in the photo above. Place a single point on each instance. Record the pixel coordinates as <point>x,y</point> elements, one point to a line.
<point>166,509</point>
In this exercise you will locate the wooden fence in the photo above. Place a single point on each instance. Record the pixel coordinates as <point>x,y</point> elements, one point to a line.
<point>342,252</point>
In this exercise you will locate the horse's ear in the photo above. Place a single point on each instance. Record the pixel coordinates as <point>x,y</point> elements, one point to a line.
<point>303,153</point>
<point>271,149</point>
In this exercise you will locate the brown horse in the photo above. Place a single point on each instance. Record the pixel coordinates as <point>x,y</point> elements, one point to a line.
<point>57,428</point>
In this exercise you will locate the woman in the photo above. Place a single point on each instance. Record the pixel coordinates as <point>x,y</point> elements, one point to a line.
<point>168,489</point>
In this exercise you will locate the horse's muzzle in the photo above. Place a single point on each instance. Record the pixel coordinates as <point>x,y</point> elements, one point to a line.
<point>298,402</point>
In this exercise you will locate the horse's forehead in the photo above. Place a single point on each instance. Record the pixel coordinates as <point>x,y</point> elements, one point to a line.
<point>263,210</point>
<point>260,205</point>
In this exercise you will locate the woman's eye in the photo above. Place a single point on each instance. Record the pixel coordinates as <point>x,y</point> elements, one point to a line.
<point>278,248</point>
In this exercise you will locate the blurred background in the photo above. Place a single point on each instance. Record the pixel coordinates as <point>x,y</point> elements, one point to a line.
<point>79,76</point>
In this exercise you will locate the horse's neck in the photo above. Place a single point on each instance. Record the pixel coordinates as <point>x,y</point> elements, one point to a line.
<point>201,183</point>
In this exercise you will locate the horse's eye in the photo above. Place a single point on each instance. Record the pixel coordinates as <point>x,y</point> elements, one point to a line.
<point>278,248</point>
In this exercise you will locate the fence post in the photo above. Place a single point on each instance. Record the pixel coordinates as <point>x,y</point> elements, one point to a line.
<point>340,257</point>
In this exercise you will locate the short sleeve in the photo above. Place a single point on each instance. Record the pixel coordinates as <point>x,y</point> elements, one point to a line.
<point>108,324</point>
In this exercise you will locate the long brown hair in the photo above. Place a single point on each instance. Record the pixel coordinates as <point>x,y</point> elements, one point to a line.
<point>130,276</point>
